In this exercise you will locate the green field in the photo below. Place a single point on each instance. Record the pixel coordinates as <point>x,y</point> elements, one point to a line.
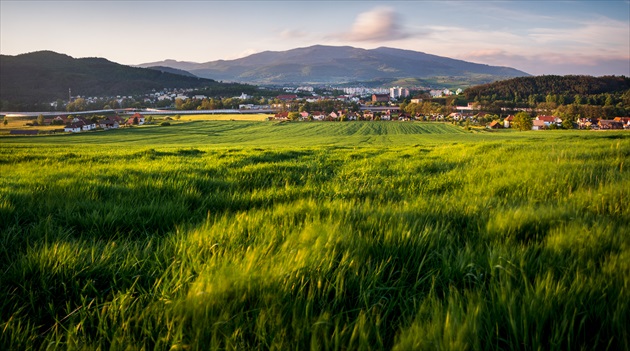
<point>244,235</point>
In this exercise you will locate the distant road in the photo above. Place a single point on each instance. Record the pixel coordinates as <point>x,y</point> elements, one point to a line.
<point>132,111</point>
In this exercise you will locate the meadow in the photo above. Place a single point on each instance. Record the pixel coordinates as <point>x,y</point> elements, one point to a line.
<point>244,235</point>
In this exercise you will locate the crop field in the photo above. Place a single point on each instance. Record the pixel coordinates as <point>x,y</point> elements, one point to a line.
<point>225,117</point>
<point>242,235</point>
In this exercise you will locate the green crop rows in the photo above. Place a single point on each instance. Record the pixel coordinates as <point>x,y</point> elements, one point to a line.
<point>341,236</point>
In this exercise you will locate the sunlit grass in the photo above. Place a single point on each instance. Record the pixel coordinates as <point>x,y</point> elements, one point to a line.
<point>226,117</point>
<point>150,239</point>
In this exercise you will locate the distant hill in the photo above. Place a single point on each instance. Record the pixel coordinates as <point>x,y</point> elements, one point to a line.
<point>172,70</point>
<point>338,64</point>
<point>522,87</point>
<point>47,76</point>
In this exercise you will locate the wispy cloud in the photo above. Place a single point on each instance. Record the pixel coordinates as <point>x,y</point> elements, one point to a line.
<point>378,24</point>
<point>293,34</point>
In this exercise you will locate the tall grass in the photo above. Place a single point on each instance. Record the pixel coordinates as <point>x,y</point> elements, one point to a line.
<point>474,242</point>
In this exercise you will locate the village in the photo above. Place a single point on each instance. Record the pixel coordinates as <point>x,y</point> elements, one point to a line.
<point>354,104</point>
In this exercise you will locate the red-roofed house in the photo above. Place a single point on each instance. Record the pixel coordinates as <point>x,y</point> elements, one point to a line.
<point>549,120</point>
<point>136,119</point>
<point>495,125</point>
<point>538,124</point>
<point>286,97</point>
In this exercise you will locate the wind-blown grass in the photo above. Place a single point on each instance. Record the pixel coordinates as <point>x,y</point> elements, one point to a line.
<point>411,241</point>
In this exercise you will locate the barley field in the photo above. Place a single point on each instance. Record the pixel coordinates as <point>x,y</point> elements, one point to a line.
<point>244,235</point>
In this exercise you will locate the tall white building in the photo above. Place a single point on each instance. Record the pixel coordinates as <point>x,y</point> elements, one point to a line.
<point>398,92</point>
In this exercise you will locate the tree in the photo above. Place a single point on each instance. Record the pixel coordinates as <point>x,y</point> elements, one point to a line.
<point>567,124</point>
<point>293,116</point>
<point>40,120</point>
<point>522,121</point>
<point>5,121</point>
<point>78,104</point>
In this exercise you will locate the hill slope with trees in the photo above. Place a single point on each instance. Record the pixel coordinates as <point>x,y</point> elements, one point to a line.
<point>563,88</point>
<point>46,76</point>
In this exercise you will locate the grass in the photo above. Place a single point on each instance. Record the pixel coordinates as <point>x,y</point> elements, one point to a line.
<point>244,235</point>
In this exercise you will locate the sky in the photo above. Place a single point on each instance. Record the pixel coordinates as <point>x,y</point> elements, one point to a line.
<point>535,36</point>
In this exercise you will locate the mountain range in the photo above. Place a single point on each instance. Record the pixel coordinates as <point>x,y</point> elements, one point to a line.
<point>339,64</point>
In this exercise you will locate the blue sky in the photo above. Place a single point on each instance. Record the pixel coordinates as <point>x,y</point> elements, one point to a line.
<point>538,37</point>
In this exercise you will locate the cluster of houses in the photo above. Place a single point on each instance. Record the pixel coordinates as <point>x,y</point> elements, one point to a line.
<point>387,115</point>
<point>594,123</point>
<point>81,124</point>
<point>539,123</point>
<point>546,122</point>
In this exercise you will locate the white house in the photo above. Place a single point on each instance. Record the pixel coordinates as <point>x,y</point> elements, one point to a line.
<point>108,124</point>
<point>73,128</point>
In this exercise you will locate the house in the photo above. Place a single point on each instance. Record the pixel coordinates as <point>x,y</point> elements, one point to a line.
<point>334,115</point>
<point>108,124</point>
<point>586,123</point>
<point>88,126</point>
<point>495,125</point>
<point>304,115</point>
<point>318,115</point>
<point>380,97</point>
<point>117,119</point>
<point>507,122</point>
<point>538,125</point>
<point>281,116</point>
<point>609,124</point>
<point>286,97</point>
<point>624,120</point>
<point>549,120</point>
<point>73,127</point>
<point>435,93</point>
<point>404,117</point>
<point>456,116</point>
<point>137,118</point>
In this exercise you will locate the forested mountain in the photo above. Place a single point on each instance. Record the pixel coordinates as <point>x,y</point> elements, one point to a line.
<point>166,69</point>
<point>565,88</point>
<point>45,76</point>
<point>338,64</point>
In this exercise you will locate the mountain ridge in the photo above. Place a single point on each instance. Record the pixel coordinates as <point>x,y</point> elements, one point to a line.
<point>337,64</point>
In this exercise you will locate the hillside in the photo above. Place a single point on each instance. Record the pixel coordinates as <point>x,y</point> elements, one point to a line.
<point>522,87</point>
<point>166,69</point>
<point>47,76</point>
<point>332,64</point>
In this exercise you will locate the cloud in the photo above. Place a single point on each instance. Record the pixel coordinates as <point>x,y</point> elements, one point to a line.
<point>293,34</point>
<point>379,24</point>
<point>551,62</point>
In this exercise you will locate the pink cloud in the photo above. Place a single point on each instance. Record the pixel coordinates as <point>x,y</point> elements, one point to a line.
<point>379,24</point>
